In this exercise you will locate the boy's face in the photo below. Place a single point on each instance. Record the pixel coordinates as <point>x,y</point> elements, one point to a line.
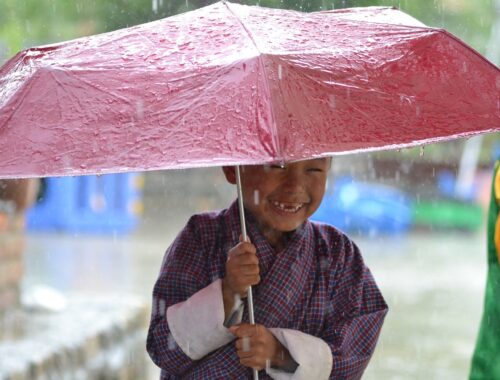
<point>282,198</point>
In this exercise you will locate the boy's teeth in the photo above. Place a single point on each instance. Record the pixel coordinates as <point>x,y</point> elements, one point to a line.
<point>286,208</point>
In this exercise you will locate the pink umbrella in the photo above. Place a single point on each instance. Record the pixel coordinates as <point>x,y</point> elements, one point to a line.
<point>233,84</point>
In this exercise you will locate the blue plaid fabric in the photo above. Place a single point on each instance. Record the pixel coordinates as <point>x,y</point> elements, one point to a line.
<point>318,284</point>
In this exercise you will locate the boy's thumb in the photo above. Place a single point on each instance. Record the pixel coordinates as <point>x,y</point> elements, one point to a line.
<point>233,329</point>
<point>243,240</point>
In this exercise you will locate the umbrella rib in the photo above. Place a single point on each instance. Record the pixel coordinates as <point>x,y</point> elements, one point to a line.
<point>103,90</point>
<point>18,106</point>
<point>274,129</point>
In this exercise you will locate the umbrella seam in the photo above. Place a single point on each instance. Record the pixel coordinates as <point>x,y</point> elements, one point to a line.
<point>273,118</point>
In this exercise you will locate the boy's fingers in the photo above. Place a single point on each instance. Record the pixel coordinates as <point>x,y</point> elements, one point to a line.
<point>245,259</point>
<point>242,240</point>
<point>244,247</point>
<point>245,330</point>
<point>250,270</point>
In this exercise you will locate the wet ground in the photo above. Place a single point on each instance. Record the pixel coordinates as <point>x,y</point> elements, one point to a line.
<point>433,283</point>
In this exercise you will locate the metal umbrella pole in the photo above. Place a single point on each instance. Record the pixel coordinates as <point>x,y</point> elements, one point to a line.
<point>244,234</point>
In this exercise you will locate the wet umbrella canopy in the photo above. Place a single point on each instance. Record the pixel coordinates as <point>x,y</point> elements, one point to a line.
<point>233,84</point>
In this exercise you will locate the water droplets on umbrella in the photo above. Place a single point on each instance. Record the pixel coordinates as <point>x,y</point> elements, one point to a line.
<point>139,108</point>
<point>331,101</point>
<point>465,68</point>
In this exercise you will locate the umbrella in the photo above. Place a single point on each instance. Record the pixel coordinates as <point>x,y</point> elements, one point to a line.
<point>232,84</point>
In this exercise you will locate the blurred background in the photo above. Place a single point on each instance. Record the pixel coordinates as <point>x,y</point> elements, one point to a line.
<point>79,255</point>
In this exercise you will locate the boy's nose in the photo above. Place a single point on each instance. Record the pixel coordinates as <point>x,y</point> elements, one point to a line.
<point>293,181</point>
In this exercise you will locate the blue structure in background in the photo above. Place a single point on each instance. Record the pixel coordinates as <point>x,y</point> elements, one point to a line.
<point>102,204</point>
<point>366,208</point>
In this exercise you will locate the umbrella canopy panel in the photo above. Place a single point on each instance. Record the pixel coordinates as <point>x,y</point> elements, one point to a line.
<point>233,84</point>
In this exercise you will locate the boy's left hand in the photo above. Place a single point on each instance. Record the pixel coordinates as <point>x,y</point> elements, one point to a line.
<point>257,347</point>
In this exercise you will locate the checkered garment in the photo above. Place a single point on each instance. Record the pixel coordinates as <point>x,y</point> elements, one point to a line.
<point>318,284</point>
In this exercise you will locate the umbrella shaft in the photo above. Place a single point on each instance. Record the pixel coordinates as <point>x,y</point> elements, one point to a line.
<point>251,317</point>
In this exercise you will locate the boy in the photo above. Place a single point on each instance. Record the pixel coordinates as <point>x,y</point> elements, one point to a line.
<point>317,308</point>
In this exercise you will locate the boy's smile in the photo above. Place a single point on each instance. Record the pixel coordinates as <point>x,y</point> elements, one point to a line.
<point>282,198</point>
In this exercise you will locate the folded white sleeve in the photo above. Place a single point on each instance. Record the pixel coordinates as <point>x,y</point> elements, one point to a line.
<point>312,354</point>
<point>197,323</point>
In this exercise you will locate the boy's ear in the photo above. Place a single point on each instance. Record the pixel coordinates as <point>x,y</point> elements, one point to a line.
<point>230,173</point>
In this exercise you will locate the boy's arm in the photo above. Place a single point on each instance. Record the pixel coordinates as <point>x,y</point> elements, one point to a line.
<point>187,316</point>
<point>352,326</point>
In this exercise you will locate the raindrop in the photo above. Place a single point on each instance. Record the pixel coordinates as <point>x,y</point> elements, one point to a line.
<point>139,107</point>
<point>162,306</point>
<point>172,344</point>
<point>329,308</point>
<point>421,154</point>
<point>154,6</point>
<point>245,343</point>
<point>331,101</point>
<point>324,264</point>
<point>256,197</point>
<point>280,72</point>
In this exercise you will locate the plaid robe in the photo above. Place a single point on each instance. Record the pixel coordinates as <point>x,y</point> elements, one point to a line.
<point>318,285</point>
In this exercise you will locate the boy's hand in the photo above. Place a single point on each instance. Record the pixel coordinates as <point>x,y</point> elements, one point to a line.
<point>242,271</point>
<point>257,348</point>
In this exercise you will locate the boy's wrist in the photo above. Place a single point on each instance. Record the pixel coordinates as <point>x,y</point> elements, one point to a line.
<point>227,298</point>
<point>282,359</point>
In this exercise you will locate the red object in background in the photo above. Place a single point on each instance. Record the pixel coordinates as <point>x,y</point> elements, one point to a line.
<point>234,84</point>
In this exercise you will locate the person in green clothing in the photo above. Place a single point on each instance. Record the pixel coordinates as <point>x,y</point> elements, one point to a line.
<point>486,359</point>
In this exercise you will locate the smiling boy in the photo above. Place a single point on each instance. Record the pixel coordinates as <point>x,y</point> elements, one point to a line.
<point>318,310</point>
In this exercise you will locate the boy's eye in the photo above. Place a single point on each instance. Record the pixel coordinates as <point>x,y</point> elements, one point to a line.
<point>315,170</point>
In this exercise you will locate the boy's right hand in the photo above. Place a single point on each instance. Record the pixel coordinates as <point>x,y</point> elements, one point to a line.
<point>242,271</point>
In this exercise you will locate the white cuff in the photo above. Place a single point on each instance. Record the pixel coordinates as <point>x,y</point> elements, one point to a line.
<point>197,323</point>
<point>312,354</point>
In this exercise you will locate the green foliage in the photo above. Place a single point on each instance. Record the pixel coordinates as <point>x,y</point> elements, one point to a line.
<point>31,22</point>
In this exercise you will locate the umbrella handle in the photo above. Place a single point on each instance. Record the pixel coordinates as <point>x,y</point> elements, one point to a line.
<point>244,234</point>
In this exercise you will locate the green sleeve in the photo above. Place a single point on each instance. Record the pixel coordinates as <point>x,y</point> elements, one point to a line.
<point>486,359</point>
